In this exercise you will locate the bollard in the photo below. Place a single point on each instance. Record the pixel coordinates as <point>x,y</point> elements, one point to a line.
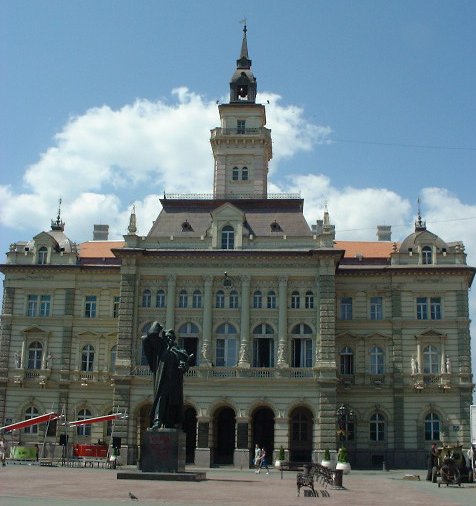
<point>338,478</point>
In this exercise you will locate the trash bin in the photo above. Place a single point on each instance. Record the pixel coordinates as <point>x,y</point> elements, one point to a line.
<point>338,478</point>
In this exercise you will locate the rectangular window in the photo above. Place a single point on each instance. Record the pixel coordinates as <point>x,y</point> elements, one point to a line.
<point>241,126</point>
<point>345,309</point>
<point>45,303</point>
<point>90,306</point>
<point>226,352</point>
<point>32,306</point>
<point>376,308</point>
<point>301,353</point>
<point>422,308</point>
<point>263,352</point>
<point>115,306</point>
<point>435,308</point>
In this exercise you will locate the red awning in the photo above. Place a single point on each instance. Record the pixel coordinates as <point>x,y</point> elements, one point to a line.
<point>97,419</point>
<point>30,421</point>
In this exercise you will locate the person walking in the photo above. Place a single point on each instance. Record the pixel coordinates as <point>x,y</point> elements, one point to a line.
<point>257,458</point>
<point>3,450</point>
<point>263,462</point>
<point>432,461</point>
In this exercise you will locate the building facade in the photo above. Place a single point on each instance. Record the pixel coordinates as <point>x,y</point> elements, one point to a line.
<point>299,341</point>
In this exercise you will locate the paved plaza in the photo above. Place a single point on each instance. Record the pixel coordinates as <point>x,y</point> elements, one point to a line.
<point>55,486</point>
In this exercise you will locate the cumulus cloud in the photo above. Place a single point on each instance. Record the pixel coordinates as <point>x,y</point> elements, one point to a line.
<point>104,160</point>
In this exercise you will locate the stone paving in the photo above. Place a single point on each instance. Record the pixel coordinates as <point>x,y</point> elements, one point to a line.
<point>59,486</point>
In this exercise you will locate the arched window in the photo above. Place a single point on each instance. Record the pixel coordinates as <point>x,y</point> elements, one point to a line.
<point>160,298</point>
<point>226,352</point>
<point>220,299</point>
<point>35,355</point>
<point>87,358</point>
<point>309,301</point>
<point>197,299</point>
<point>346,360</point>
<point>183,299</point>
<point>301,342</point>
<point>227,237</point>
<point>42,255</point>
<point>146,298</point>
<point>83,430</point>
<point>377,427</point>
<point>112,367</point>
<point>257,300</point>
<point>234,301</point>
<point>376,360</point>
<point>235,173</point>
<point>244,174</point>
<point>432,427</point>
<point>263,345</point>
<point>427,255</point>
<point>271,300</point>
<point>295,300</point>
<point>30,413</point>
<point>188,335</point>
<point>431,361</point>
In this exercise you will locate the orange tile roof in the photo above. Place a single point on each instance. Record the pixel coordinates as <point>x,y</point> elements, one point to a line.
<point>99,249</point>
<point>375,249</point>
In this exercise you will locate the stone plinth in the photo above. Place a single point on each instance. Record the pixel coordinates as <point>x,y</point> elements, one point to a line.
<point>163,451</point>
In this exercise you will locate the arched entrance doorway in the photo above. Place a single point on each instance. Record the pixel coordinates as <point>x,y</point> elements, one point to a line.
<point>190,428</point>
<point>300,435</point>
<point>263,430</point>
<point>224,436</point>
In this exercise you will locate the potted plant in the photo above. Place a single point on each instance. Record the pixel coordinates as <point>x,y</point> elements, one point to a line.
<point>326,460</point>
<point>342,460</point>
<point>281,457</point>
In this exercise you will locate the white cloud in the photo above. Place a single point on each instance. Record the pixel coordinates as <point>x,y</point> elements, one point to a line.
<point>104,160</point>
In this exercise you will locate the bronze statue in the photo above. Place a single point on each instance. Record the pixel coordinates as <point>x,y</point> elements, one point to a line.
<point>169,363</point>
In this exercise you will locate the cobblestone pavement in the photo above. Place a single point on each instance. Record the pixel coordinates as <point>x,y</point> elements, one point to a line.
<point>57,486</point>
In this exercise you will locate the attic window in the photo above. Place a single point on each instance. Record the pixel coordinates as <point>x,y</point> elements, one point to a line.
<point>186,227</point>
<point>275,227</point>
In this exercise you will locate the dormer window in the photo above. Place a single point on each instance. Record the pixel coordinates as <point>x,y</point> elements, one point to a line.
<point>227,237</point>
<point>275,227</point>
<point>241,126</point>
<point>42,255</point>
<point>186,227</point>
<point>426,255</point>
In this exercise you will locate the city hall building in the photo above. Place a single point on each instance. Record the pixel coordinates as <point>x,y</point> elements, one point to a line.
<point>300,340</point>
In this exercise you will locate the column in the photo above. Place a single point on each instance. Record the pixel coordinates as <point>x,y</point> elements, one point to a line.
<point>244,360</point>
<point>170,314</point>
<point>283,323</point>
<point>207,322</point>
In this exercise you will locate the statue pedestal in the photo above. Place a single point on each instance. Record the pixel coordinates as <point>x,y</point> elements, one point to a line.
<point>163,451</point>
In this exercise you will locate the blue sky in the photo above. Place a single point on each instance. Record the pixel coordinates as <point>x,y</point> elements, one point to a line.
<point>109,103</point>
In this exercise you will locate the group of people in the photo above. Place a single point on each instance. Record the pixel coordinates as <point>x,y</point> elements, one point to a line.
<point>259,460</point>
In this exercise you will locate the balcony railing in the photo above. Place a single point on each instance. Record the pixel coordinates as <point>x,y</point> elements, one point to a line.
<point>241,131</point>
<point>231,196</point>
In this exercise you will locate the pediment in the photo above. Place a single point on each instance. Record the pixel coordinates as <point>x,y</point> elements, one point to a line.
<point>346,335</point>
<point>88,335</point>
<point>45,239</point>
<point>430,334</point>
<point>227,212</point>
<point>34,329</point>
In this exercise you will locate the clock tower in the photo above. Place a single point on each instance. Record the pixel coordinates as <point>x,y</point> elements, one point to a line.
<point>242,145</point>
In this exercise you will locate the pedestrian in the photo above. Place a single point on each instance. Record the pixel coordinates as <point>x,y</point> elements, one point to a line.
<point>37,452</point>
<point>257,458</point>
<point>432,461</point>
<point>263,463</point>
<point>257,453</point>
<point>3,450</point>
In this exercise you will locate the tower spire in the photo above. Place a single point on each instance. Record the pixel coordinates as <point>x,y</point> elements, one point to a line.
<point>243,82</point>
<point>58,224</point>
